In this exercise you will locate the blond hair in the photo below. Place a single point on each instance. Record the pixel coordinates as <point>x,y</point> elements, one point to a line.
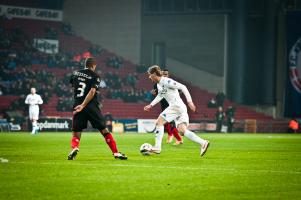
<point>155,69</point>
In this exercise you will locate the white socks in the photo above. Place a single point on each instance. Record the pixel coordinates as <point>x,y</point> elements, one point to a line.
<point>159,136</point>
<point>189,134</point>
<point>34,126</point>
<point>193,137</point>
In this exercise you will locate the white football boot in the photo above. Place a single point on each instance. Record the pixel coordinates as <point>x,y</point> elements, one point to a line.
<point>204,147</point>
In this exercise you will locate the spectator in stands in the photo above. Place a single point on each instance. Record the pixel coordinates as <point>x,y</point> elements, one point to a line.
<point>130,96</point>
<point>102,84</point>
<point>5,43</point>
<point>7,16</point>
<point>18,105</point>
<point>25,66</point>
<point>95,49</point>
<point>219,119</point>
<point>230,118</point>
<point>131,80</point>
<point>211,103</point>
<point>141,68</point>
<point>61,59</point>
<point>293,126</point>
<point>113,80</point>
<point>77,59</point>
<point>86,54</point>
<point>65,104</point>
<point>11,64</point>
<point>220,98</point>
<point>67,28</point>
<point>115,62</point>
<point>51,62</point>
<point>148,96</point>
<point>50,33</point>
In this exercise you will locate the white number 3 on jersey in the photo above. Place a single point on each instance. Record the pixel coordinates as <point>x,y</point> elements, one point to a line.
<point>81,89</point>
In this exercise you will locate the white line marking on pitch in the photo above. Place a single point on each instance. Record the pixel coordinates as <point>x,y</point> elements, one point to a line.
<point>202,168</point>
<point>3,160</point>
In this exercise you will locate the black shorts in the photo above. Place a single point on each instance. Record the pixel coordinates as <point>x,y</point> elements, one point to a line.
<point>90,113</point>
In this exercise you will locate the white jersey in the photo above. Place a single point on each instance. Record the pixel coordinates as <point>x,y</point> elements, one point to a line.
<point>169,90</point>
<point>33,100</point>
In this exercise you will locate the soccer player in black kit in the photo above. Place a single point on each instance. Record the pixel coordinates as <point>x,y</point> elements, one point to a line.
<point>86,108</point>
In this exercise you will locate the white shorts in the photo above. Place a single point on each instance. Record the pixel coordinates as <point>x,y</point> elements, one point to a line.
<point>177,114</point>
<point>33,114</point>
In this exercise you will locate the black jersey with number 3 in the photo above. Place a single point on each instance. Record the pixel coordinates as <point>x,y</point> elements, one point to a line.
<point>82,81</point>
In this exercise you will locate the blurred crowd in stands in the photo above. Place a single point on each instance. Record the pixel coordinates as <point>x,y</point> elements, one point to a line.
<point>23,66</point>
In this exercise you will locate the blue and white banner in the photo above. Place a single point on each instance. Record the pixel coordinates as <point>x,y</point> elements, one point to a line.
<point>146,125</point>
<point>293,85</point>
<point>130,125</point>
<point>54,124</point>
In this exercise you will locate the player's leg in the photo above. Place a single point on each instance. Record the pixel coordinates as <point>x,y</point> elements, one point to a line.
<point>74,145</point>
<point>75,139</point>
<point>98,122</point>
<point>159,134</point>
<point>189,134</point>
<point>168,129</point>
<point>176,133</point>
<point>79,122</point>
<point>109,125</point>
<point>193,137</point>
<point>32,121</point>
<point>34,112</point>
<point>34,124</point>
<point>218,126</point>
<point>35,118</point>
<point>112,144</point>
<point>168,115</point>
<point>182,123</point>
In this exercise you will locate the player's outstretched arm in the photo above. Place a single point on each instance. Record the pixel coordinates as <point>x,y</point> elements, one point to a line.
<point>176,85</point>
<point>153,103</point>
<point>191,106</point>
<point>88,98</point>
<point>179,86</point>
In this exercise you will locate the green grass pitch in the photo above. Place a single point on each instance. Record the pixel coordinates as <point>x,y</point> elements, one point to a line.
<point>236,166</point>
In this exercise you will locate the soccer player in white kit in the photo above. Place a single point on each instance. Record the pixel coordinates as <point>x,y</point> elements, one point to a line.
<point>177,110</point>
<point>34,100</point>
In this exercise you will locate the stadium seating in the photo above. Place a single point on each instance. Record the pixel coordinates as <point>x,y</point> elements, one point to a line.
<point>118,108</point>
<point>6,101</point>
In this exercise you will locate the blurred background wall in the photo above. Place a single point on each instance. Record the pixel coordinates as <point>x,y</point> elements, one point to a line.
<point>116,25</point>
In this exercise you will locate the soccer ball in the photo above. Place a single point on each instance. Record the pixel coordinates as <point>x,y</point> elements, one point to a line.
<point>145,149</point>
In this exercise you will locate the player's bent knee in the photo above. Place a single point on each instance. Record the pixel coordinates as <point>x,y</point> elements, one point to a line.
<point>104,132</point>
<point>77,133</point>
<point>160,121</point>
